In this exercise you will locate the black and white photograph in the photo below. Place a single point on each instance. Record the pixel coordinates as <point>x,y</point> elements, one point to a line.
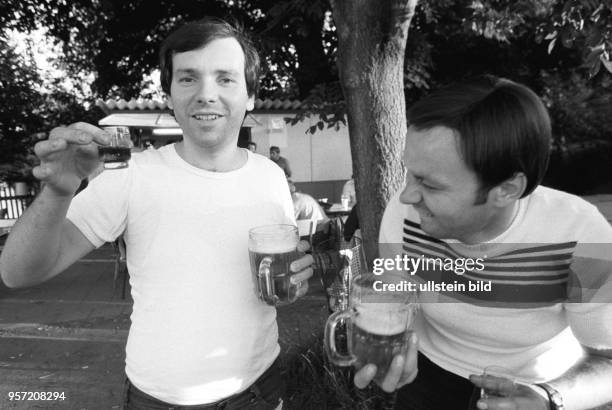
<point>306,205</point>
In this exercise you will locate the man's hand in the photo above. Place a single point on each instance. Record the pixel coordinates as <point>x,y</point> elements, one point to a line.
<point>518,396</point>
<point>301,269</point>
<point>68,156</point>
<point>403,370</point>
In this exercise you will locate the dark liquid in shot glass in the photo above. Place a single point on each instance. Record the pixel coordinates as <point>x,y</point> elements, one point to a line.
<point>114,154</point>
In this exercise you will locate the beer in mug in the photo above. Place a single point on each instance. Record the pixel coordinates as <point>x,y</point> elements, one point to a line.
<point>379,326</point>
<point>272,249</point>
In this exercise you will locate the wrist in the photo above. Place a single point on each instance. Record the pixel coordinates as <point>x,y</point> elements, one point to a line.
<point>56,194</point>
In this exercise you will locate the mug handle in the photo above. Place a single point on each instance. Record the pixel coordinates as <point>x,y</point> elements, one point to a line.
<point>329,340</point>
<point>265,281</point>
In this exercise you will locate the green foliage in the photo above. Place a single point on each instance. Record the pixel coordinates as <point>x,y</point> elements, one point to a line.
<point>586,25</point>
<point>30,112</point>
<point>18,117</point>
<point>313,383</point>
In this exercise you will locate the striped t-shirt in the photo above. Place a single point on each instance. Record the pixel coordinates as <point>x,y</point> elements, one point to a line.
<point>513,300</point>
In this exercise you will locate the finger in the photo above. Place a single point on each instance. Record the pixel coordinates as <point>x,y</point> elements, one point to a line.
<point>45,148</point>
<point>500,385</point>
<point>364,376</point>
<point>394,374</point>
<point>303,276</point>
<point>497,403</point>
<point>411,368</point>
<point>303,246</point>
<point>302,263</point>
<point>80,134</point>
<point>302,289</point>
<point>41,172</point>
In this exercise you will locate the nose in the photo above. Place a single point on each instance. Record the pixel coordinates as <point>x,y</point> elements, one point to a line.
<point>411,194</point>
<point>207,91</point>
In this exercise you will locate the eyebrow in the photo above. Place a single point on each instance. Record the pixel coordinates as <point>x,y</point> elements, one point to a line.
<point>191,71</point>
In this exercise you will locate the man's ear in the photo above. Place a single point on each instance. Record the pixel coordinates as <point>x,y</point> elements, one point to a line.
<point>508,191</point>
<point>169,100</point>
<point>250,103</point>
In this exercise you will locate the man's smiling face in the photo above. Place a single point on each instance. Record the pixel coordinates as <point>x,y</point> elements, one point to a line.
<point>208,93</point>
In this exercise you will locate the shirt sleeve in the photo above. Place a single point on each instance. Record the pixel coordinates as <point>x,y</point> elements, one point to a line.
<point>100,210</point>
<point>589,311</point>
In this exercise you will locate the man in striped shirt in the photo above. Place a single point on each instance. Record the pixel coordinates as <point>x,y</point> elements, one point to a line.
<point>538,301</point>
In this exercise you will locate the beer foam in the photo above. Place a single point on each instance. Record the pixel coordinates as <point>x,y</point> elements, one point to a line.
<point>271,247</point>
<point>381,321</point>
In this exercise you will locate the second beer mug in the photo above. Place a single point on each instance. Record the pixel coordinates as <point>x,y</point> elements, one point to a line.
<point>379,324</point>
<point>272,248</point>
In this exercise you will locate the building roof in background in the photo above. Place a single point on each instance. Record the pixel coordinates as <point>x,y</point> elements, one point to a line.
<point>267,105</point>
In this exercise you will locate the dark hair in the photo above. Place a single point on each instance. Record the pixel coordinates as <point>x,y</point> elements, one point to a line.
<point>503,128</point>
<point>274,148</point>
<point>197,34</point>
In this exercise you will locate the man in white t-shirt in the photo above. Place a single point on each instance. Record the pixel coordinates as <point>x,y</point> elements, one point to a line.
<point>306,207</point>
<point>199,334</point>
<point>531,266</point>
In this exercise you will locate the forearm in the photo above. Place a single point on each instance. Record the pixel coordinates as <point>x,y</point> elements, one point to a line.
<point>33,247</point>
<point>587,384</point>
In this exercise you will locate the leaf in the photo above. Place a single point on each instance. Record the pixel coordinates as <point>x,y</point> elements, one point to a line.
<point>594,69</point>
<point>551,36</point>
<point>606,63</point>
<point>551,45</point>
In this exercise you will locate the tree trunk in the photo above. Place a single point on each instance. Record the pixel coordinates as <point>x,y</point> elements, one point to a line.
<point>372,38</point>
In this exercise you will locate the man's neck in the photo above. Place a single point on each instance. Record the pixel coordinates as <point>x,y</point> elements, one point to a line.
<point>215,160</point>
<point>499,224</point>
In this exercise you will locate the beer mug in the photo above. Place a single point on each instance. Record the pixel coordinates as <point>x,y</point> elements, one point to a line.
<point>272,248</point>
<point>378,322</point>
<point>117,154</point>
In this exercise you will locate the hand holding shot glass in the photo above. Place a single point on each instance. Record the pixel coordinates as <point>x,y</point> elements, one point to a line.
<point>499,388</point>
<point>381,341</point>
<point>117,154</point>
<point>273,251</point>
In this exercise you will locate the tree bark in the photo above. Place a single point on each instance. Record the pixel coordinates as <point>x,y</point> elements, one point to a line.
<point>372,38</point>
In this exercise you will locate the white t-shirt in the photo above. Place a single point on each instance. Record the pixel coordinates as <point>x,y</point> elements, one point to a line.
<point>199,333</point>
<point>306,207</point>
<point>535,328</point>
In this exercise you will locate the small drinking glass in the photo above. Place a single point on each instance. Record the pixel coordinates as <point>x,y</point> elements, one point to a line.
<point>501,383</point>
<point>117,154</point>
<point>345,201</point>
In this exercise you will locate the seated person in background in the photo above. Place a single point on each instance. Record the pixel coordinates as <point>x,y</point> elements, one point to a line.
<point>349,190</point>
<point>306,207</point>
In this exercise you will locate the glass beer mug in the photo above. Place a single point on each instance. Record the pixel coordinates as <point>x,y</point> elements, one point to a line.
<point>272,248</point>
<point>378,322</point>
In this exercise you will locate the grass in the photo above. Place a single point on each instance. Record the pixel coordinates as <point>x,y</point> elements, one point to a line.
<point>312,383</point>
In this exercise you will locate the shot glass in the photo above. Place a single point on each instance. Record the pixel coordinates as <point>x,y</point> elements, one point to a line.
<point>500,382</point>
<point>117,154</point>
